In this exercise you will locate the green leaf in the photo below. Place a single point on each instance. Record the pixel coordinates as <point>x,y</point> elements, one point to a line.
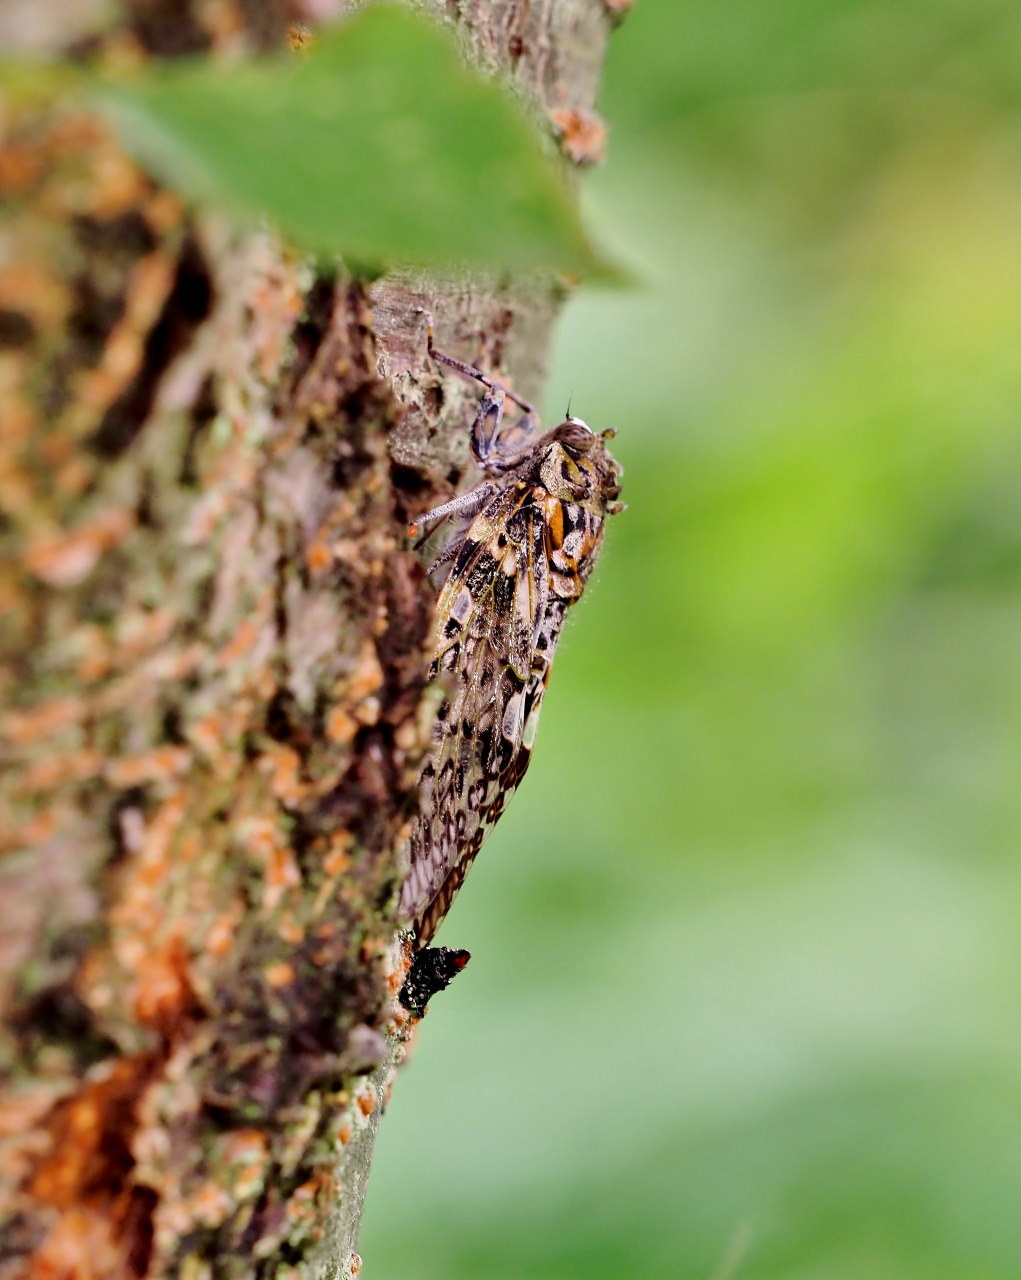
<point>379,145</point>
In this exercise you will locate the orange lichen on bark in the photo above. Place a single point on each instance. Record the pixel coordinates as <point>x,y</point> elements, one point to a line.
<point>245,1154</point>
<point>23,728</point>
<point>161,764</point>
<point>275,301</point>
<point>582,134</point>
<point>318,557</point>
<point>162,988</point>
<point>282,873</point>
<point>240,644</point>
<point>140,632</point>
<point>301,1204</point>
<point>366,678</point>
<point>337,859</point>
<point>87,1137</point>
<point>280,974</point>
<point>31,290</point>
<point>221,933</point>
<point>84,1243</point>
<point>53,771</point>
<point>211,736</point>
<point>282,765</point>
<point>340,726</point>
<point>65,558</point>
<point>211,1204</point>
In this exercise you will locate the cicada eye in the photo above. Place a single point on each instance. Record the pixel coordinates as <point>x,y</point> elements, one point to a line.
<point>576,434</point>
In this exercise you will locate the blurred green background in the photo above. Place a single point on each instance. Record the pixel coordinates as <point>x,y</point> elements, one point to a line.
<point>744,995</point>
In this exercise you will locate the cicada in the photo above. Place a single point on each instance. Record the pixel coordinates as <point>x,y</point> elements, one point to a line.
<point>524,543</point>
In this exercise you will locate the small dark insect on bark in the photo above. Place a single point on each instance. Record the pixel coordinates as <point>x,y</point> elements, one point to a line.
<point>432,970</point>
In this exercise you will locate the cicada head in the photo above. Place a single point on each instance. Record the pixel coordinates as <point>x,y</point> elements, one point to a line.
<point>577,467</point>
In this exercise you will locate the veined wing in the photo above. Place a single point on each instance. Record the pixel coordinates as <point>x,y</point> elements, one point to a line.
<point>493,643</point>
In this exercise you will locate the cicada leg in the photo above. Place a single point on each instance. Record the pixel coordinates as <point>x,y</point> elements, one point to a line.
<point>487,443</point>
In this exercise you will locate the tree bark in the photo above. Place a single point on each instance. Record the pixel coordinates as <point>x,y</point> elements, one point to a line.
<point>214,648</point>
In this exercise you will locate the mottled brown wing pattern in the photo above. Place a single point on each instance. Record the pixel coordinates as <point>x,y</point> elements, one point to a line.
<point>531,543</point>
<point>482,644</point>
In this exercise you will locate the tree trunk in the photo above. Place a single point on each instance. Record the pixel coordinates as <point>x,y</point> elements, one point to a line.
<point>213,640</point>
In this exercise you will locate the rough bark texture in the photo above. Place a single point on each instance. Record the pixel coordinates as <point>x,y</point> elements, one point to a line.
<point>212,641</point>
